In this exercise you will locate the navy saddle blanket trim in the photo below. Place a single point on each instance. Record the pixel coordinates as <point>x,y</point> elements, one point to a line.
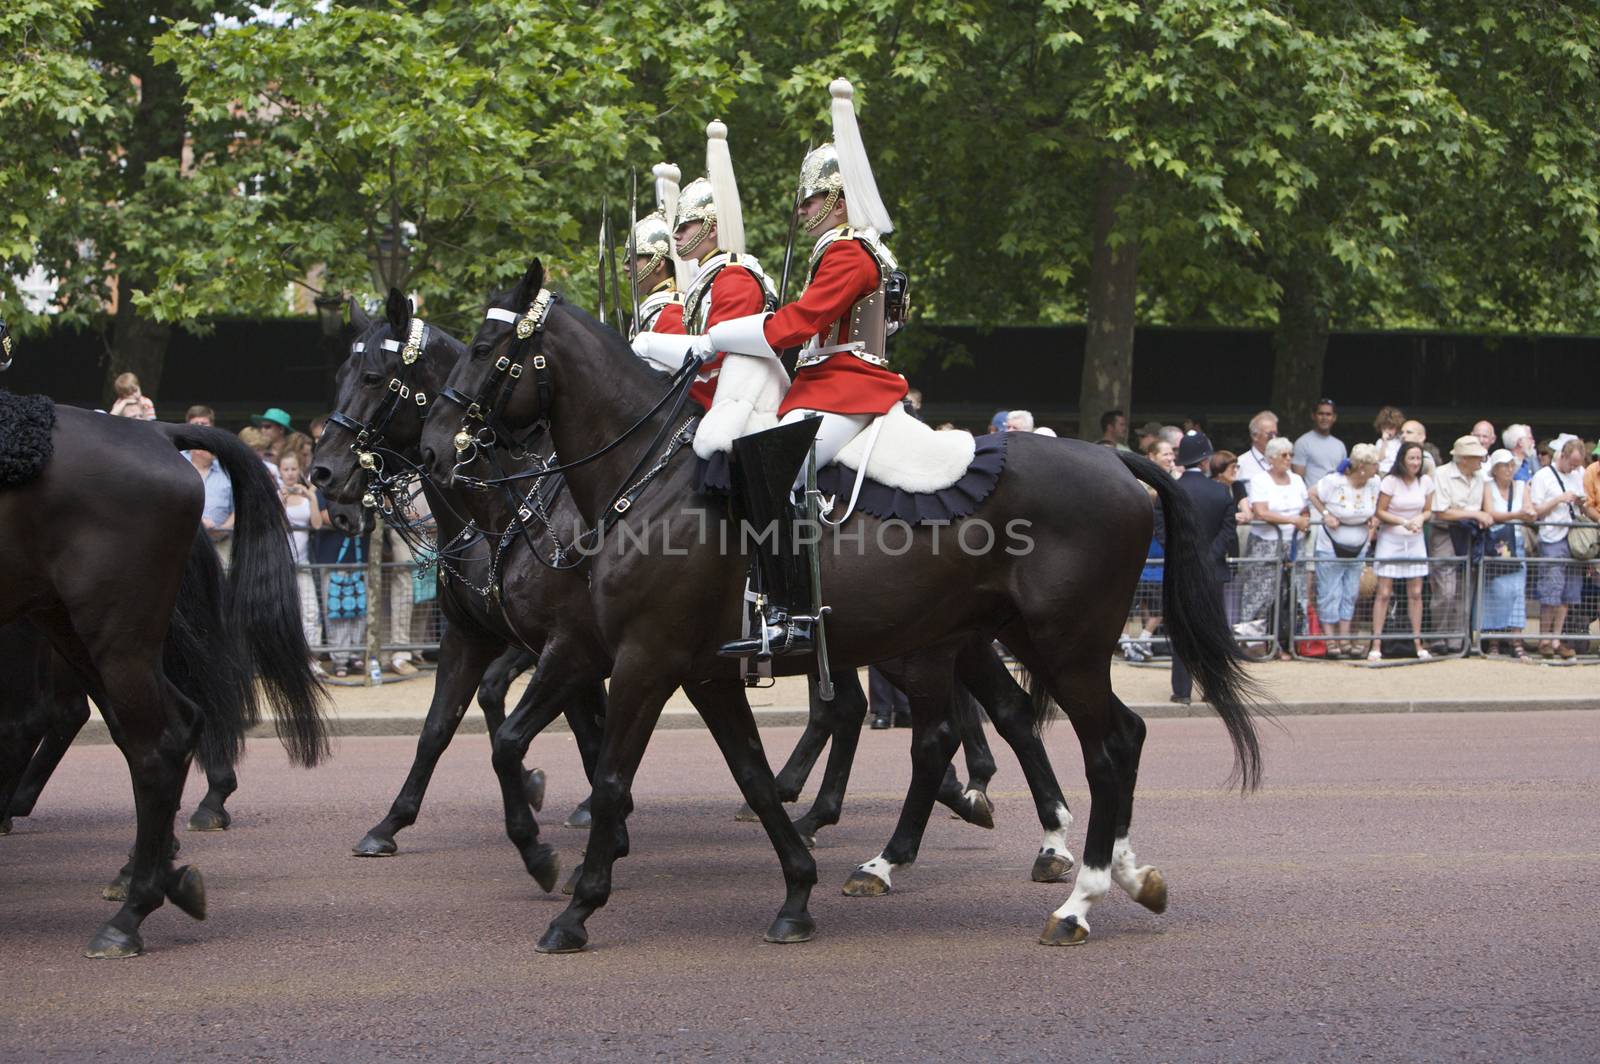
<point>25,443</point>
<point>882,501</point>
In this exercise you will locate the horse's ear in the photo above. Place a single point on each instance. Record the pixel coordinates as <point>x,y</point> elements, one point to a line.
<point>532,281</point>
<point>397,308</point>
<point>358,317</point>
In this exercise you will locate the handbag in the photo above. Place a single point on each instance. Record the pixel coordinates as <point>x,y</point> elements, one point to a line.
<point>347,591</point>
<point>1583,541</point>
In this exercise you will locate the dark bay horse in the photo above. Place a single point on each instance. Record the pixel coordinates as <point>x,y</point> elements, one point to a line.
<point>1048,561</point>
<point>49,699</point>
<point>95,552</point>
<point>493,592</point>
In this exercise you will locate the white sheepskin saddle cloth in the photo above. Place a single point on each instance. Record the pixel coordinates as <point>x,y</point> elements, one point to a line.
<point>907,454</point>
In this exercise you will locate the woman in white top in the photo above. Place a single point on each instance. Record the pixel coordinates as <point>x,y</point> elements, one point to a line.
<point>1278,501</point>
<point>300,504</point>
<point>1405,499</point>
<point>1505,580</point>
<point>1348,503</point>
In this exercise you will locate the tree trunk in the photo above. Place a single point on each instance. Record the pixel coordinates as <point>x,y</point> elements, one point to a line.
<point>1300,348</point>
<point>1113,283</point>
<point>138,343</point>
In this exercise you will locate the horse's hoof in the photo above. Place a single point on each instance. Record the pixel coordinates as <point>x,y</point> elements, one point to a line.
<point>533,786</point>
<point>112,944</point>
<point>544,865</point>
<point>375,846</point>
<point>746,815</point>
<point>5,826</point>
<point>117,889</point>
<point>863,884</point>
<point>980,809</point>
<point>1051,868</point>
<point>579,817</point>
<point>210,820</point>
<point>792,929</point>
<point>561,939</point>
<point>188,891</point>
<point>810,840</point>
<point>1153,892</point>
<point>571,885</point>
<point>1063,931</point>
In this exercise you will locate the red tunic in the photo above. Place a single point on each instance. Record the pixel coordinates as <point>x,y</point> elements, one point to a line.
<point>735,293</point>
<point>843,384</point>
<point>670,320</point>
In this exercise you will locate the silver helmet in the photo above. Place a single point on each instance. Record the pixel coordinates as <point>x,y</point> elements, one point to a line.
<point>695,204</point>
<point>652,237</point>
<point>820,175</point>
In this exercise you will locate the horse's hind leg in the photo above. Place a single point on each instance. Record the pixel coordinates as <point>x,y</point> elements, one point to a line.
<point>69,713</point>
<point>210,815</point>
<point>929,683</point>
<point>462,660</point>
<point>1111,736</point>
<point>982,671</point>
<point>843,721</point>
<point>970,802</point>
<point>156,728</point>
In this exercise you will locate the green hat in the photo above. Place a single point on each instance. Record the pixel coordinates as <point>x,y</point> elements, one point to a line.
<point>275,416</point>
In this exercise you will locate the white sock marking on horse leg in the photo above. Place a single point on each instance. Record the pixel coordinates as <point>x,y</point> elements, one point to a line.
<point>1091,886</point>
<point>1129,874</point>
<point>880,868</point>
<point>1055,839</point>
<point>973,795</point>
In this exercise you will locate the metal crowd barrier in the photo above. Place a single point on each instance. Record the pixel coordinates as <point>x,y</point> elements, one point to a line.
<point>349,626</point>
<point>1466,604</point>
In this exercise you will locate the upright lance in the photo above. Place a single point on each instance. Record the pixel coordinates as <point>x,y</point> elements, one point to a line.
<point>633,250</point>
<point>600,265</point>
<point>616,286</point>
<point>794,230</point>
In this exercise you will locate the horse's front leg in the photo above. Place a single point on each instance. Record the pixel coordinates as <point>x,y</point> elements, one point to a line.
<point>640,686</point>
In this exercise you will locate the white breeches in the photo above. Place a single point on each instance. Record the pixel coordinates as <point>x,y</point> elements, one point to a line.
<point>836,431</point>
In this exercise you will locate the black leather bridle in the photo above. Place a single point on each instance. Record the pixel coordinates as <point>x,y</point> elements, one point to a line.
<point>369,435</point>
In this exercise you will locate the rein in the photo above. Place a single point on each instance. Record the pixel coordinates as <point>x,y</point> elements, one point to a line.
<point>508,371</point>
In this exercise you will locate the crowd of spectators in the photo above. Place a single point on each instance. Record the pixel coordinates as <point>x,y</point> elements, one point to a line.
<point>1393,511</point>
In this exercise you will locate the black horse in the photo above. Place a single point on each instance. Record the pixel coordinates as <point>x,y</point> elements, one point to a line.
<point>94,552</point>
<point>492,591</point>
<point>48,699</point>
<point>1058,549</point>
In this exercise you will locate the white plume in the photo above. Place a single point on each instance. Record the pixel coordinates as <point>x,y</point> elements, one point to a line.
<point>668,178</point>
<point>865,206</point>
<point>724,189</point>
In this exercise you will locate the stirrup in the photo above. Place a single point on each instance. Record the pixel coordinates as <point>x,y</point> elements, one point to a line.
<point>780,637</point>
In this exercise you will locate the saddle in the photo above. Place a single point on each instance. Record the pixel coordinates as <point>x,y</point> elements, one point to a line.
<point>913,472</point>
<point>25,441</point>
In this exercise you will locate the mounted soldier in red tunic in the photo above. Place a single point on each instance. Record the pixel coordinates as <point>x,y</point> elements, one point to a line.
<point>853,300</point>
<point>727,283</point>
<point>659,277</point>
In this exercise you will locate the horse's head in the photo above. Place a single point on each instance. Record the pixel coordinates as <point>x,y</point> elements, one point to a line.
<point>384,388</point>
<point>502,386</point>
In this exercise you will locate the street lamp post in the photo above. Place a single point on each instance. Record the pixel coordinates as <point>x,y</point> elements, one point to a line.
<point>388,256</point>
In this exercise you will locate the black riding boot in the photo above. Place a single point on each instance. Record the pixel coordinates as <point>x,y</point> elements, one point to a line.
<point>764,468</point>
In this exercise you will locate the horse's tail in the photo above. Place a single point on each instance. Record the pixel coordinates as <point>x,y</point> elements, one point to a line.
<point>1197,623</point>
<point>262,597</point>
<point>202,659</point>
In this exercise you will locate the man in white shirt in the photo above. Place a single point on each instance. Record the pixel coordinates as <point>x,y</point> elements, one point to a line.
<point>1263,428</point>
<point>1458,489</point>
<point>1556,495</point>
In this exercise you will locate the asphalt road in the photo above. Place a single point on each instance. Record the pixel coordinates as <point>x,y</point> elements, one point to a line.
<point>1405,887</point>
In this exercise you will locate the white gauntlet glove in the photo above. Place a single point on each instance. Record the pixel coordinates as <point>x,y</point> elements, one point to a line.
<point>670,350</point>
